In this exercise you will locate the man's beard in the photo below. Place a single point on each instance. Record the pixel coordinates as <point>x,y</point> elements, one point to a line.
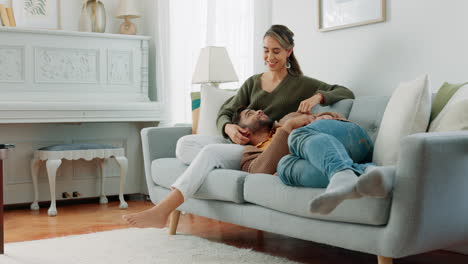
<point>260,125</point>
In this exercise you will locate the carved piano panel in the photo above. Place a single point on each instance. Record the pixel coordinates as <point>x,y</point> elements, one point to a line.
<point>60,76</point>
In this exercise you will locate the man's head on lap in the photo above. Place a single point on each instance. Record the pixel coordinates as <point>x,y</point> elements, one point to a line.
<point>255,121</point>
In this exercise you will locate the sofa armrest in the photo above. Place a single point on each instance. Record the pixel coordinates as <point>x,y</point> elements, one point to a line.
<point>430,198</point>
<point>183,125</point>
<point>160,142</point>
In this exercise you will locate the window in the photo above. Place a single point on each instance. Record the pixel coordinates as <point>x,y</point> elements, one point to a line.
<point>194,24</point>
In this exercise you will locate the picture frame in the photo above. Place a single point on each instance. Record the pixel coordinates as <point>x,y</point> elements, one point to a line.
<point>6,3</point>
<point>4,13</point>
<point>340,14</point>
<point>41,14</point>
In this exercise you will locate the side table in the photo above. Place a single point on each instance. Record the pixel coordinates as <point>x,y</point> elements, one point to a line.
<point>52,156</point>
<point>3,156</point>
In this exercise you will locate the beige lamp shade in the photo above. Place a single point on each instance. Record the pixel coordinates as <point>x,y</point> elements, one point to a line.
<point>214,66</point>
<point>127,8</point>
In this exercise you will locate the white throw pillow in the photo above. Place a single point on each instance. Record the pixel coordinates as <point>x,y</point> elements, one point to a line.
<point>407,112</point>
<point>454,117</point>
<point>444,120</point>
<point>211,101</point>
<point>460,95</point>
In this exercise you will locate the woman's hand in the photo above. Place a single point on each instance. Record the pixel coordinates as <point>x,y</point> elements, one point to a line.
<point>298,121</point>
<point>307,104</point>
<point>329,117</point>
<point>237,134</point>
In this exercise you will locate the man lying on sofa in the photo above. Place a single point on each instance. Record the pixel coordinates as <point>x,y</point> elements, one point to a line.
<point>313,150</point>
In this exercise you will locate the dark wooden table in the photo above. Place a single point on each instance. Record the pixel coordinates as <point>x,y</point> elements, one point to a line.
<point>3,156</point>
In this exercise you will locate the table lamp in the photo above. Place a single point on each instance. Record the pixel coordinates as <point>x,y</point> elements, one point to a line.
<point>214,67</point>
<point>128,10</point>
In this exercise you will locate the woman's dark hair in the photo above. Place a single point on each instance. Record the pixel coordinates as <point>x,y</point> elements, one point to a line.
<point>285,37</point>
<point>237,115</point>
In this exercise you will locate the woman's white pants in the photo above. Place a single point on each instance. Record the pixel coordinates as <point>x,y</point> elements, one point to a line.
<point>204,154</point>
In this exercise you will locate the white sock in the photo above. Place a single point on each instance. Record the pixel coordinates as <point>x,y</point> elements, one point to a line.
<point>376,181</point>
<point>342,186</point>
<point>369,168</point>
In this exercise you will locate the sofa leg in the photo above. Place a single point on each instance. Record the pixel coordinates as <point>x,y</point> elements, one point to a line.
<point>384,260</point>
<point>174,221</point>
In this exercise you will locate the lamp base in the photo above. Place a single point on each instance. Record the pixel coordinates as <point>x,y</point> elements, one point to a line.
<point>128,28</point>
<point>215,85</point>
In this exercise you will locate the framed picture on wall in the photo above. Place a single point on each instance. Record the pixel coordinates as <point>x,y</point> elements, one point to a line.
<point>43,14</point>
<point>5,9</point>
<point>338,14</point>
<point>5,3</point>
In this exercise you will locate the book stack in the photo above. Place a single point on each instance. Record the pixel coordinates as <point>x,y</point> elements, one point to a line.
<point>7,17</point>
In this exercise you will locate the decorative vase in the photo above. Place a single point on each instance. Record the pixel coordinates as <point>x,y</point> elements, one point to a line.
<point>85,22</point>
<point>127,27</point>
<point>97,15</point>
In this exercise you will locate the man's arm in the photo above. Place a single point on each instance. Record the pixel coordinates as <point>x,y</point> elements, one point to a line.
<point>256,161</point>
<point>334,115</point>
<point>334,93</point>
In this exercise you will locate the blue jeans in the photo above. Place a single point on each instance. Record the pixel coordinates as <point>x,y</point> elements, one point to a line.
<point>321,149</point>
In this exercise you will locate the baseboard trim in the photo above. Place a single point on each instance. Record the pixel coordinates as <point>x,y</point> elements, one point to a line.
<point>73,201</point>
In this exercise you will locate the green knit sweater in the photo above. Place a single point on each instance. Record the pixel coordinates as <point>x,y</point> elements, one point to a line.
<point>283,100</point>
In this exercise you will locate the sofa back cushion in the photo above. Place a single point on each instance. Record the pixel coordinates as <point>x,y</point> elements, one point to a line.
<point>367,111</point>
<point>343,107</point>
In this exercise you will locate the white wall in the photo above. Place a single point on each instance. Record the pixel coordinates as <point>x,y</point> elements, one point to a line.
<point>263,15</point>
<point>419,36</point>
<point>71,10</point>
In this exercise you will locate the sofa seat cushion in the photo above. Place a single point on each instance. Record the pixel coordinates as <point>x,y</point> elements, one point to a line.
<point>268,191</point>
<point>220,184</point>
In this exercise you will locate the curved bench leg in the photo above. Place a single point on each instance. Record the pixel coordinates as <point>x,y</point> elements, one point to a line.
<point>102,164</point>
<point>35,165</point>
<point>123,163</point>
<point>52,167</point>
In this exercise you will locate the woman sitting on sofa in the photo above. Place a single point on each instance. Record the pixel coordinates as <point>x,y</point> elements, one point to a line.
<point>280,90</point>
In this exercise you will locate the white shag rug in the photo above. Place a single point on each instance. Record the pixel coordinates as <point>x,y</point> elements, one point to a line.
<point>131,246</point>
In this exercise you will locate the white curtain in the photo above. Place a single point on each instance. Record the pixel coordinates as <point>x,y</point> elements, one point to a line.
<point>184,27</point>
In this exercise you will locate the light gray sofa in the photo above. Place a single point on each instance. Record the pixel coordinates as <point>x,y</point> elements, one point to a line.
<point>428,209</point>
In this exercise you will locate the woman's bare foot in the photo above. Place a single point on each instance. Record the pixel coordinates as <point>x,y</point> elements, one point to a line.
<point>149,218</point>
<point>158,215</point>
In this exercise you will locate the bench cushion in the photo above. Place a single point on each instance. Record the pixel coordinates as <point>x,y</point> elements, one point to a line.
<point>220,184</point>
<point>87,151</point>
<point>268,191</point>
<point>80,146</point>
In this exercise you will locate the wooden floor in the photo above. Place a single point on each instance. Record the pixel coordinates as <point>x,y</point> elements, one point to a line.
<point>23,225</point>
